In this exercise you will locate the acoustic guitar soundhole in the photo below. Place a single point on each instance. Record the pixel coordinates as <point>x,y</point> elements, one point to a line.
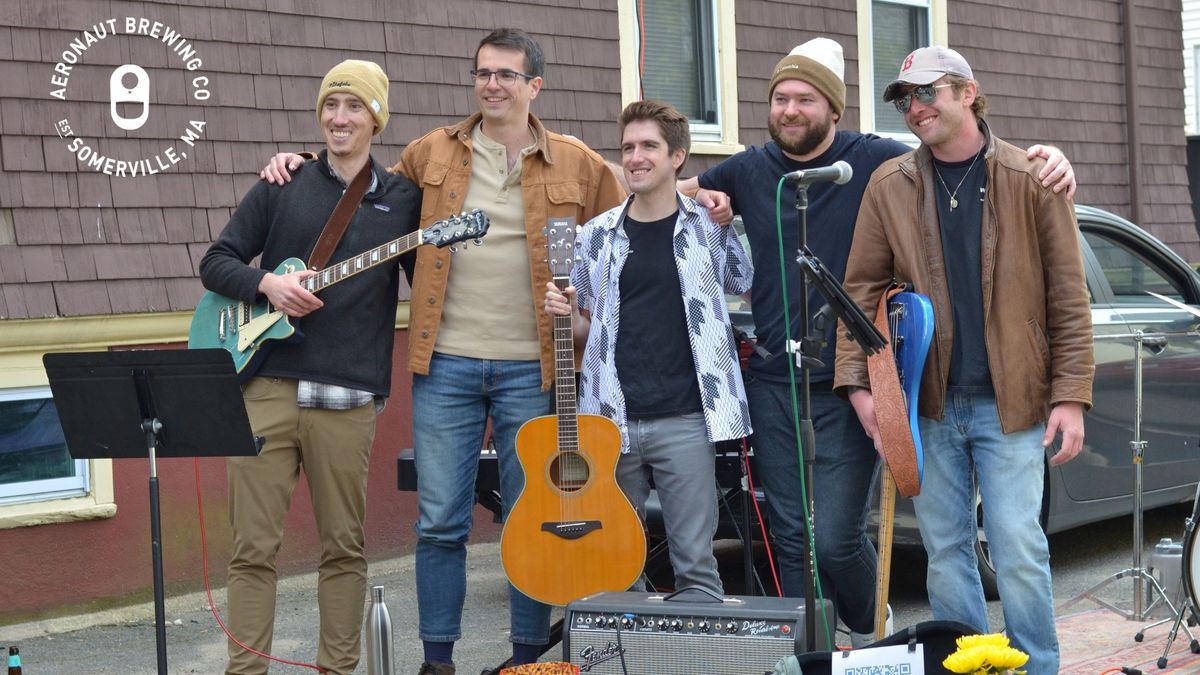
<point>569,471</point>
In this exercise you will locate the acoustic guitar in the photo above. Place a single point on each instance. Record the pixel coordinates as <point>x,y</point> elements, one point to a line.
<point>571,532</point>
<point>243,328</point>
<point>910,331</point>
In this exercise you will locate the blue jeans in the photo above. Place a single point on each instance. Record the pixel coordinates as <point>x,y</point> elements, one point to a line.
<point>843,470</point>
<point>1010,470</point>
<point>451,406</point>
<point>676,453</point>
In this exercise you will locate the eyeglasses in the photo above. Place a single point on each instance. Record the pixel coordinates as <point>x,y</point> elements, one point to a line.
<point>505,78</point>
<point>926,94</point>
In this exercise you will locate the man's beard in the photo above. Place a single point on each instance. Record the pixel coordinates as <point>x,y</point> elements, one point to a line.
<point>817,131</point>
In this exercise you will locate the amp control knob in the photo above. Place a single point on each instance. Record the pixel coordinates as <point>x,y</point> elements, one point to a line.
<point>626,623</point>
<point>703,626</point>
<point>676,625</point>
<point>662,624</point>
<point>731,627</point>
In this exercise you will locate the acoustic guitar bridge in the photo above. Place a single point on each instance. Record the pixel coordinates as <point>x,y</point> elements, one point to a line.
<point>571,530</point>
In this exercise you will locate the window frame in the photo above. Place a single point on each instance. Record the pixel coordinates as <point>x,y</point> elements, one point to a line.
<point>707,139</point>
<point>49,489</point>
<point>939,32</point>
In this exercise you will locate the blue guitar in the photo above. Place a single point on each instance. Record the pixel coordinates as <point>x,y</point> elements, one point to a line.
<point>242,328</point>
<point>910,332</point>
<point>910,325</point>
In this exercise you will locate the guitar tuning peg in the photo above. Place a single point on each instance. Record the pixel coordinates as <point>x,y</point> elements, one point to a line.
<point>477,241</point>
<point>454,248</point>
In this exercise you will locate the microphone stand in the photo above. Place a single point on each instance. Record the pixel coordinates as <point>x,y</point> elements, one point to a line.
<point>807,354</point>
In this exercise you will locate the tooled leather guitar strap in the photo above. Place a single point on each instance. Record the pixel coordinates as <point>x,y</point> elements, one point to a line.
<point>891,413</point>
<point>339,220</point>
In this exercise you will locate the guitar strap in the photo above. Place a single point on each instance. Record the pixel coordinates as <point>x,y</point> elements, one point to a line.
<point>335,227</point>
<point>891,413</point>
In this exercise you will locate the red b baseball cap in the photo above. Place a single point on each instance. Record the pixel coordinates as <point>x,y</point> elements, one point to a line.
<point>925,66</point>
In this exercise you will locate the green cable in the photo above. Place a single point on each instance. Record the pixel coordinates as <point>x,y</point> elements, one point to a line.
<point>787,319</point>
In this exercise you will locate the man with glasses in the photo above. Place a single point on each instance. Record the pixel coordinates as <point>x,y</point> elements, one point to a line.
<point>807,95</point>
<point>965,220</point>
<point>480,345</point>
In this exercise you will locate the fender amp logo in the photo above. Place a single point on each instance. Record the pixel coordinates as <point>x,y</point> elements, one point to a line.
<point>130,103</point>
<point>593,657</point>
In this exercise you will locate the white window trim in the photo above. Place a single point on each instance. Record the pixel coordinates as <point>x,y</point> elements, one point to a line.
<point>715,139</point>
<point>939,34</point>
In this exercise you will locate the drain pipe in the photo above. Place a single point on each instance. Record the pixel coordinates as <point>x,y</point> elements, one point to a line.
<point>1133,117</point>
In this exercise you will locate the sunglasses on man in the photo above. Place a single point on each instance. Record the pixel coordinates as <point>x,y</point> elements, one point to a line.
<point>925,93</point>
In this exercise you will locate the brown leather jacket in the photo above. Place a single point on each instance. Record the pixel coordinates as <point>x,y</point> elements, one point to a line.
<point>1037,317</point>
<point>563,178</point>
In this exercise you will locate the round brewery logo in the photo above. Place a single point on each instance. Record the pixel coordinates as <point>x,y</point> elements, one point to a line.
<point>128,89</point>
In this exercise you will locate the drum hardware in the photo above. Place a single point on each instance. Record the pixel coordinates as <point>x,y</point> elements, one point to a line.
<point>1189,573</point>
<point>1142,578</point>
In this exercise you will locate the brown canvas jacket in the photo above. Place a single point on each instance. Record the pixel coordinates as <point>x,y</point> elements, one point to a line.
<point>1037,316</point>
<point>562,178</point>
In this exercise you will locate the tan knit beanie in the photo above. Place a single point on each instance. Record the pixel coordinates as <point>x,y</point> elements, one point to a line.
<point>364,79</point>
<point>818,62</point>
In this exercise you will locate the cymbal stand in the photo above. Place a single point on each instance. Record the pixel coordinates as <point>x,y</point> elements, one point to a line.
<point>1137,572</point>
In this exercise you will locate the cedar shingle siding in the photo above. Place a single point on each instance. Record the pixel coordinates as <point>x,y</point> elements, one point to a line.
<point>75,242</point>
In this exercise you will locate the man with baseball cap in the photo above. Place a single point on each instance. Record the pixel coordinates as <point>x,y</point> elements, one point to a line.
<point>965,220</point>
<point>314,401</point>
<point>807,96</point>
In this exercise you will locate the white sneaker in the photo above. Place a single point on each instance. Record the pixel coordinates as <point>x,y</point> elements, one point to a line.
<point>859,640</point>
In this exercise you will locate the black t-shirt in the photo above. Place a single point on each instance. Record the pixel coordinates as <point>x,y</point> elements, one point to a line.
<point>750,179</point>
<point>654,357</point>
<point>961,251</point>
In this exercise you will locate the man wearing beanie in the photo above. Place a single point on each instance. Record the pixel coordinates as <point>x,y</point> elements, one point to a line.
<point>314,400</point>
<point>807,95</point>
<point>480,346</point>
<point>958,218</point>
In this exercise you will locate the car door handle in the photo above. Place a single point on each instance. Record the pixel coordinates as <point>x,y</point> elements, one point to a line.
<point>1155,344</point>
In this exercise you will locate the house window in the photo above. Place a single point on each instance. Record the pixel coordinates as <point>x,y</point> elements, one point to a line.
<point>34,462</point>
<point>683,52</point>
<point>678,57</point>
<point>888,31</point>
<point>896,30</point>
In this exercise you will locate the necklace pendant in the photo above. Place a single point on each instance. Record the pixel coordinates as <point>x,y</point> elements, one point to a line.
<point>953,203</point>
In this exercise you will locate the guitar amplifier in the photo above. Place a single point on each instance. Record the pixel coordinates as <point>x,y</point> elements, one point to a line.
<point>642,633</point>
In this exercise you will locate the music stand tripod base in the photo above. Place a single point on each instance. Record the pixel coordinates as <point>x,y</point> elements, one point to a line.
<point>1137,572</point>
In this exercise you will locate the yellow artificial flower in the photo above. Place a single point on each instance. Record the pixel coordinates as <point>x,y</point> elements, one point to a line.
<point>985,655</point>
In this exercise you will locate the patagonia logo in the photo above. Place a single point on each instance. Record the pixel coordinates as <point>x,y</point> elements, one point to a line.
<point>338,84</point>
<point>383,207</point>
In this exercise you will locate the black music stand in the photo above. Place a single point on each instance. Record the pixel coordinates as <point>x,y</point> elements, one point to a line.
<point>169,403</point>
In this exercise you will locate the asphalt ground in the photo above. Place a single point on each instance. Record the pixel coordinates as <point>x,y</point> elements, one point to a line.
<point>122,641</point>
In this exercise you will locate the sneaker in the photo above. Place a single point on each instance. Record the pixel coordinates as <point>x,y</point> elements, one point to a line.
<point>428,668</point>
<point>860,640</point>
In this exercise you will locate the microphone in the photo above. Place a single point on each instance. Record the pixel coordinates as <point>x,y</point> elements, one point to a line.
<point>839,172</point>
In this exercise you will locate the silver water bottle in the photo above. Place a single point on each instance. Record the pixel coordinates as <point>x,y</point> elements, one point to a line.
<point>381,652</point>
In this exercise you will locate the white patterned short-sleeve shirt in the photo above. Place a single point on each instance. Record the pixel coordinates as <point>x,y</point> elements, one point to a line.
<point>710,261</point>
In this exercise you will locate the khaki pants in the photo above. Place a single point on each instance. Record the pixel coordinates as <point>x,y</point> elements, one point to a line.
<point>333,447</point>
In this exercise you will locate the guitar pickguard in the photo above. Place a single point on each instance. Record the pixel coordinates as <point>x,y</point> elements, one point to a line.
<point>254,328</point>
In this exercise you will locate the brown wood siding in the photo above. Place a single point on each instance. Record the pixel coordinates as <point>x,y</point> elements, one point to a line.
<point>1054,72</point>
<point>84,243</point>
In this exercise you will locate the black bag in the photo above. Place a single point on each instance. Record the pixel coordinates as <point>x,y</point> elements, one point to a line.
<point>938,638</point>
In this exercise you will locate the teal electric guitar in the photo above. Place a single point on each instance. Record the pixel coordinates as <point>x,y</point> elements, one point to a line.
<point>244,328</point>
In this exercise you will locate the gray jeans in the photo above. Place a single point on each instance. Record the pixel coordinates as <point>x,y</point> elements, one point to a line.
<point>676,451</point>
